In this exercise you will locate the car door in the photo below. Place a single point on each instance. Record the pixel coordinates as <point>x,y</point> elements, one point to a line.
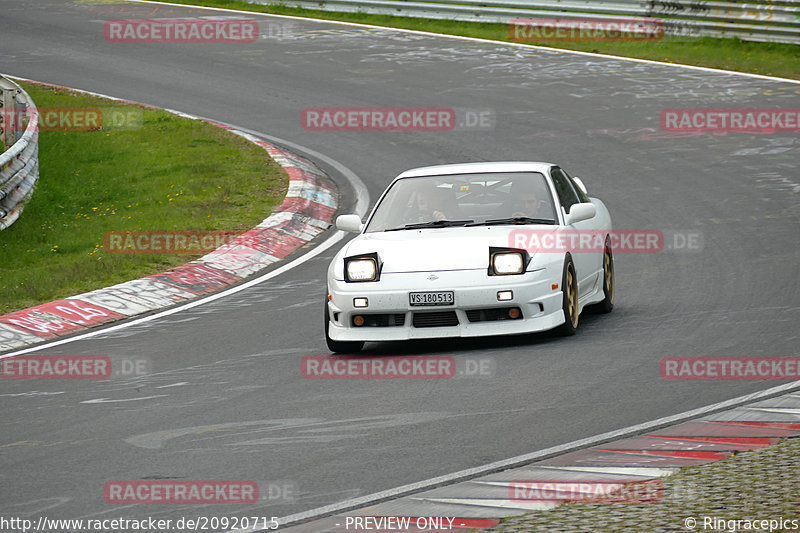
<point>586,261</point>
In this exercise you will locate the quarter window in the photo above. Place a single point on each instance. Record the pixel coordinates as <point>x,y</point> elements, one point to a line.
<point>582,197</point>
<point>564,189</point>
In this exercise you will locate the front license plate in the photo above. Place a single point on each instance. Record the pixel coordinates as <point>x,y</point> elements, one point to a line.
<point>431,298</point>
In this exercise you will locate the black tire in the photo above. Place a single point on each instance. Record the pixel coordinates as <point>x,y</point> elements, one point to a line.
<point>609,283</point>
<point>569,301</point>
<point>339,346</point>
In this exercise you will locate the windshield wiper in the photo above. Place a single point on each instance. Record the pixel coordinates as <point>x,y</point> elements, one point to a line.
<point>433,224</point>
<point>514,220</point>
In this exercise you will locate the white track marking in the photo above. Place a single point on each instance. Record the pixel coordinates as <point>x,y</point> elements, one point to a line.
<point>181,384</point>
<point>109,400</point>
<point>494,503</point>
<point>780,410</point>
<point>645,471</point>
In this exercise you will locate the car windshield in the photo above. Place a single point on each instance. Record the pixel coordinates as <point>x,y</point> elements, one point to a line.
<point>464,200</point>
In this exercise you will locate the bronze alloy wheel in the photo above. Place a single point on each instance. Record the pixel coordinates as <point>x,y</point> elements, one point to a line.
<point>569,298</point>
<point>608,271</point>
<point>572,296</point>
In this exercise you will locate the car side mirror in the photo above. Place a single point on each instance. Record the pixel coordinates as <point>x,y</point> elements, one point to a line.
<point>580,212</point>
<point>577,180</point>
<point>351,223</point>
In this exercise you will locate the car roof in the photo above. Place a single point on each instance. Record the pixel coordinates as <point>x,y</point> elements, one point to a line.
<point>478,168</point>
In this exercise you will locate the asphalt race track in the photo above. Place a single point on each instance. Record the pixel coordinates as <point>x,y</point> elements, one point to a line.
<point>226,399</point>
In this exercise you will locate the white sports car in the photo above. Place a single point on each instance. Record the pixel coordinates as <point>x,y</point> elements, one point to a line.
<point>468,250</point>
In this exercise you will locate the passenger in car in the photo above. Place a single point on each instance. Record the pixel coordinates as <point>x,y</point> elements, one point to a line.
<point>435,203</point>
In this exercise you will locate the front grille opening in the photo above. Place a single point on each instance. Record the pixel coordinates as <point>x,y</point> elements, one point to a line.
<point>435,320</point>
<point>380,320</point>
<point>495,313</point>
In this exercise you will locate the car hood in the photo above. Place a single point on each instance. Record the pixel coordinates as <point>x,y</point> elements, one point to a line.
<point>434,249</point>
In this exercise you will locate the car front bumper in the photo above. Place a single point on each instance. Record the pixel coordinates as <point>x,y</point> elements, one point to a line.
<point>533,293</point>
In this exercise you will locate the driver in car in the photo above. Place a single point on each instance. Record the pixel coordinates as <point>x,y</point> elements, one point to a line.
<point>526,201</point>
<point>434,203</point>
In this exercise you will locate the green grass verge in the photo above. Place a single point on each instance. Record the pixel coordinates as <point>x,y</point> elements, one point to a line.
<point>771,59</point>
<point>164,173</point>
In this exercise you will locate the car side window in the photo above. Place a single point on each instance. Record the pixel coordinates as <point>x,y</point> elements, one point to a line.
<point>564,189</point>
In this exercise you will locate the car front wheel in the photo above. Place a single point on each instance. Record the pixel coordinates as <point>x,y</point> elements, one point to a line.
<point>569,289</point>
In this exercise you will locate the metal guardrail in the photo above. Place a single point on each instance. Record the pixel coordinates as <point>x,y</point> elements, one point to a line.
<point>19,164</point>
<point>775,21</point>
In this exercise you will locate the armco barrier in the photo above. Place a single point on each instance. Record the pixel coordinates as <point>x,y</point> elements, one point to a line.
<point>769,21</point>
<point>19,165</point>
<point>306,211</point>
